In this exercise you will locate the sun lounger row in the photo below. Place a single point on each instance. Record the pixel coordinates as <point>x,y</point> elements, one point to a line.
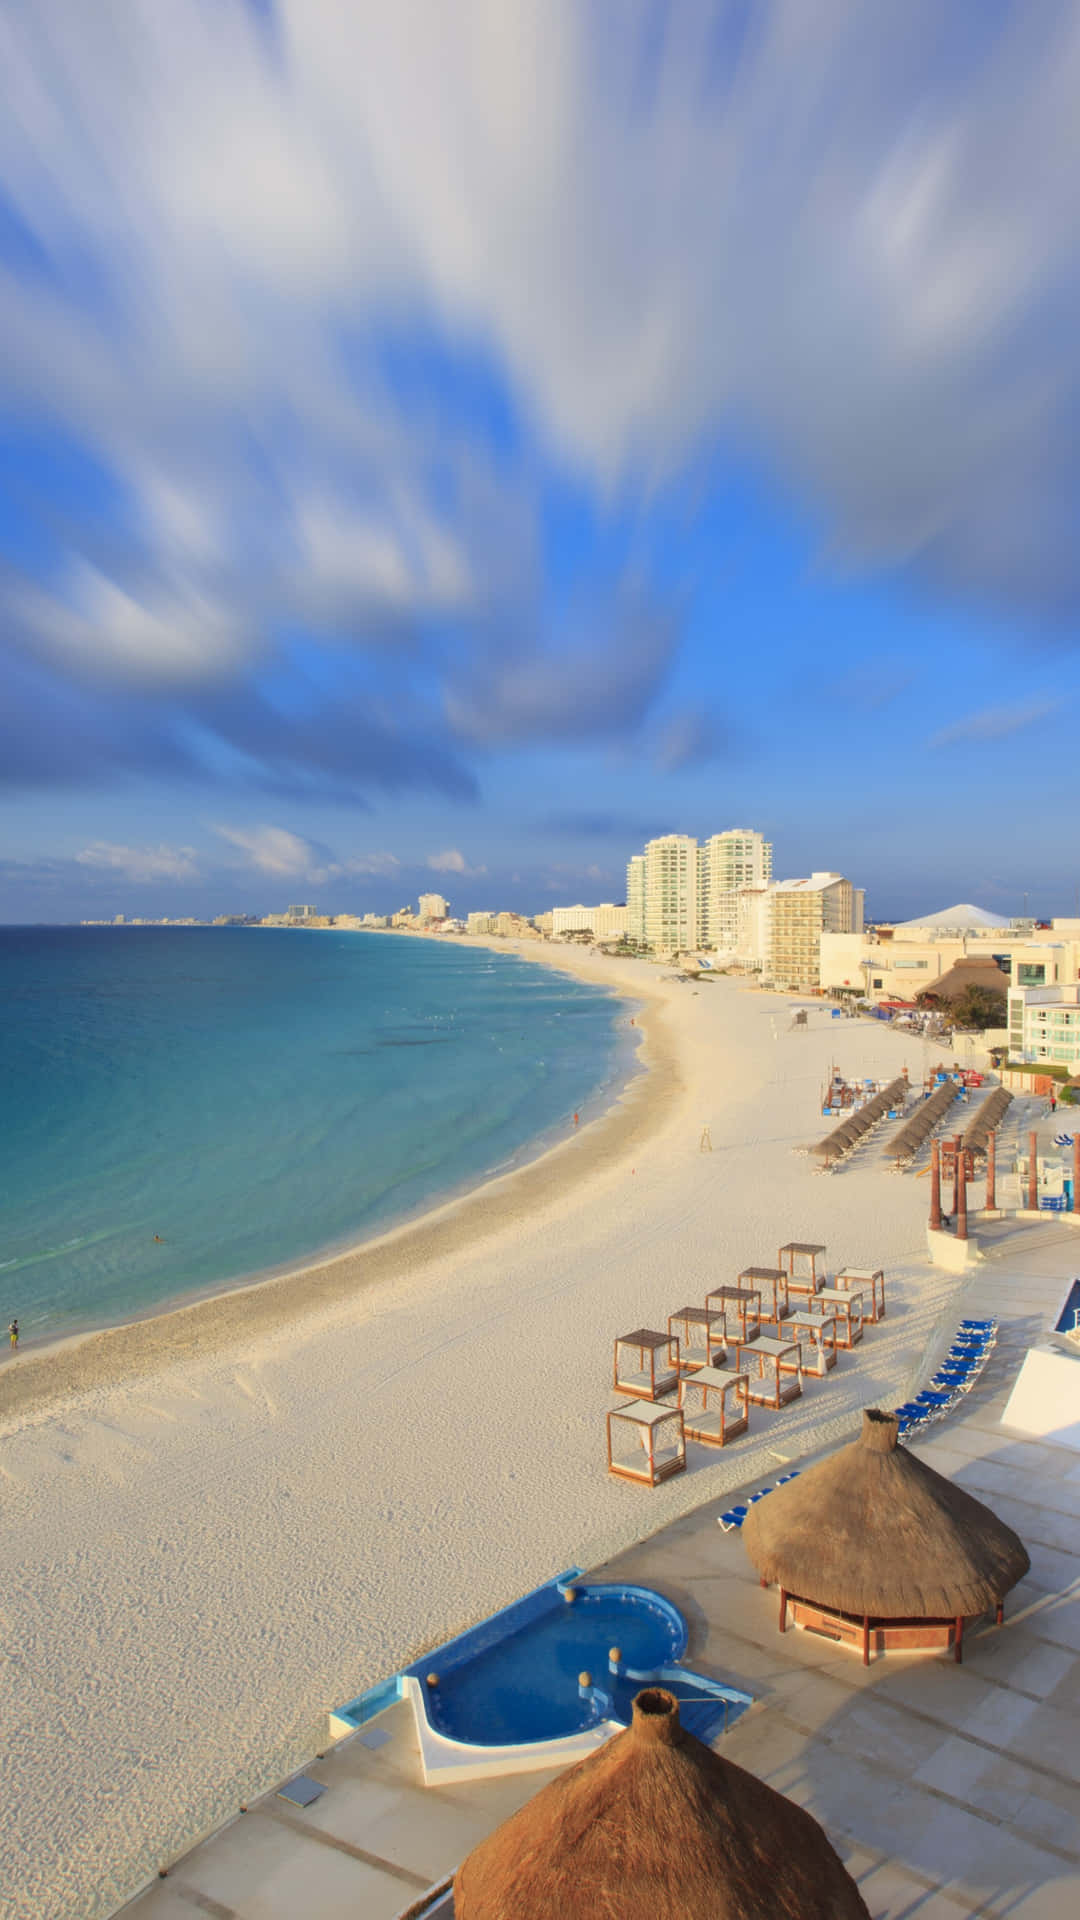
<point>961,1367</point>
<point>732,1520</point>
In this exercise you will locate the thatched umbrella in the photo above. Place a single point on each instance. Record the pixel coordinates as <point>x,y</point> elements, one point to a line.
<point>874,1535</point>
<point>655,1826</point>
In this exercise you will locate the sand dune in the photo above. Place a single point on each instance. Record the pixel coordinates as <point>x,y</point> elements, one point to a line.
<point>221,1522</point>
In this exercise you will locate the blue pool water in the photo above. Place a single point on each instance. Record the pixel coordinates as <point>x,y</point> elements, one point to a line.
<point>525,1685</point>
<point>256,1097</point>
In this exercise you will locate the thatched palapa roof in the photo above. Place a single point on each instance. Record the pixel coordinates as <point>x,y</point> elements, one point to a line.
<point>873,1530</point>
<point>962,975</point>
<point>655,1826</point>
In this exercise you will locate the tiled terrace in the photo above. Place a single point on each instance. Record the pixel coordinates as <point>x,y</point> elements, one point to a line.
<point>949,1791</point>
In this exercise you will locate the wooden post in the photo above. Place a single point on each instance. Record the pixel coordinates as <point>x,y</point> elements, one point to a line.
<point>1000,1612</point>
<point>961,1194</point>
<point>991,1171</point>
<point>956,1174</point>
<point>866,1639</point>
<point>958,1643</point>
<point>1033,1172</point>
<point>783,1610</point>
<point>935,1186</point>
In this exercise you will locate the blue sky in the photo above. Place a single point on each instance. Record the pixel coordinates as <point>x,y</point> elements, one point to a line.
<point>445,446</point>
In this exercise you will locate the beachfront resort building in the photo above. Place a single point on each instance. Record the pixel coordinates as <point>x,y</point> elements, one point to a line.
<point>1044,1026</point>
<point>681,895</point>
<point>605,922</point>
<point>899,962</point>
<point>728,864</point>
<point>433,907</point>
<point>662,885</point>
<point>480,923</point>
<point>798,913</point>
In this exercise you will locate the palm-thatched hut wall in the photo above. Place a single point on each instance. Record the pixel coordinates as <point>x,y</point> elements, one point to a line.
<point>873,1548</point>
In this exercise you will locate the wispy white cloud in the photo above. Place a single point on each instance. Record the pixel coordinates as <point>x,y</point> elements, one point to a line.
<point>225,225</point>
<point>140,864</point>
<point>382,864</point>
<point>995,723</point>
<point>452,860</point>
<point>276,851</point>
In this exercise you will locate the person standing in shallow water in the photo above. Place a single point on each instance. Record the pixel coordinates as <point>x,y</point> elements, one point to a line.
<point>13,1334</point>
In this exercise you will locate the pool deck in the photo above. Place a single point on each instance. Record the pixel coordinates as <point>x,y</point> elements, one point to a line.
<point>949,1791</point>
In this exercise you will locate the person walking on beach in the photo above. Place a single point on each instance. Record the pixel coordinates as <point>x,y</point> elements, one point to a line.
<point>13,1334</point>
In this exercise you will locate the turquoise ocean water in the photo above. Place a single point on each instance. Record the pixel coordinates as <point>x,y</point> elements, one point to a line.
<point>257,1097</point>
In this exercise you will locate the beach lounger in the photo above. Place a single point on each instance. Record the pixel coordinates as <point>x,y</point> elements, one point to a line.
<point>912,1412</point>
<point>733,1518</point>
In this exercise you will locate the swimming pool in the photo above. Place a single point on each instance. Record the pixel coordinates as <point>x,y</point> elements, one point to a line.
<point>536,1683</point>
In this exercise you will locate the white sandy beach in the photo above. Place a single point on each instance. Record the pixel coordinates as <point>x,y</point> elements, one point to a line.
<point>222,1522</point>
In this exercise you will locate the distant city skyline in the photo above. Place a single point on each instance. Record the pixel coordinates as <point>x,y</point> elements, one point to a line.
<point>441,458</point>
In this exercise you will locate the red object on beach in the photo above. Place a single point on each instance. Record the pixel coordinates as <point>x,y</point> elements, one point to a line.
<point>935,1186</point>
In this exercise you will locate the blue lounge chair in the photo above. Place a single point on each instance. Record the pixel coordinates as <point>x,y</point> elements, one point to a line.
<point>734,1517</point>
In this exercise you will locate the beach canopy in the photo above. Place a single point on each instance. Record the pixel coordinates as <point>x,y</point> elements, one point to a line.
<point>655,1826</point>
<point>851,1129</point>
<point>874,1531</point>
<point>915,1131</point>
<point>990,1115</point>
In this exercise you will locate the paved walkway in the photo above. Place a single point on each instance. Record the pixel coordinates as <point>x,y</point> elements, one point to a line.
<point>949,1791</point>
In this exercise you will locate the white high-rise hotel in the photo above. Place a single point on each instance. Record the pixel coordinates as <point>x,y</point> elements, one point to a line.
<point>680,895</point>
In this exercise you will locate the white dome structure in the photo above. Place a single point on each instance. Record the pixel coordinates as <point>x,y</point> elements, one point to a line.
<point>959,919</point>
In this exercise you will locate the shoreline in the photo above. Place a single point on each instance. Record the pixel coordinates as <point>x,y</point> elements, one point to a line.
<point>206,1324</point>
<point>223,1521</point>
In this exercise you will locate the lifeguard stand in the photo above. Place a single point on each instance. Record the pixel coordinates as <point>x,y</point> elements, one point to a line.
<point>646,1364</point>
<point>645,1443</point>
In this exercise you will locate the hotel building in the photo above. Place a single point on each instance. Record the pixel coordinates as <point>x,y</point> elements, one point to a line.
<point>799,913</point>
<point>1044,1026</point>
<point>681,896</point>
<point>728,864</point>
<point>433,907</point>
<point>605,922</point>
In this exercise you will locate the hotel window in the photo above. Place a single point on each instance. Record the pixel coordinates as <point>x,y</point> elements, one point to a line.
<point>1030,973</point>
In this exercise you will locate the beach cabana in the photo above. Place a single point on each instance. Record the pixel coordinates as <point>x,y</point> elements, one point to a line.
<point>873,1549</point>
<point>656,1826</point>
<point>799,1261</point>
<point>775,1369</point>
<point>645,1443</point>
<point>771,1283</point>
<point>870,1282</point>
<point>701,1337</point>
<point>741,1307</point>
<point>816,1335</point>
<point>845,1306</point>
<point>646,1363</point>
<point>715,1404</point>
